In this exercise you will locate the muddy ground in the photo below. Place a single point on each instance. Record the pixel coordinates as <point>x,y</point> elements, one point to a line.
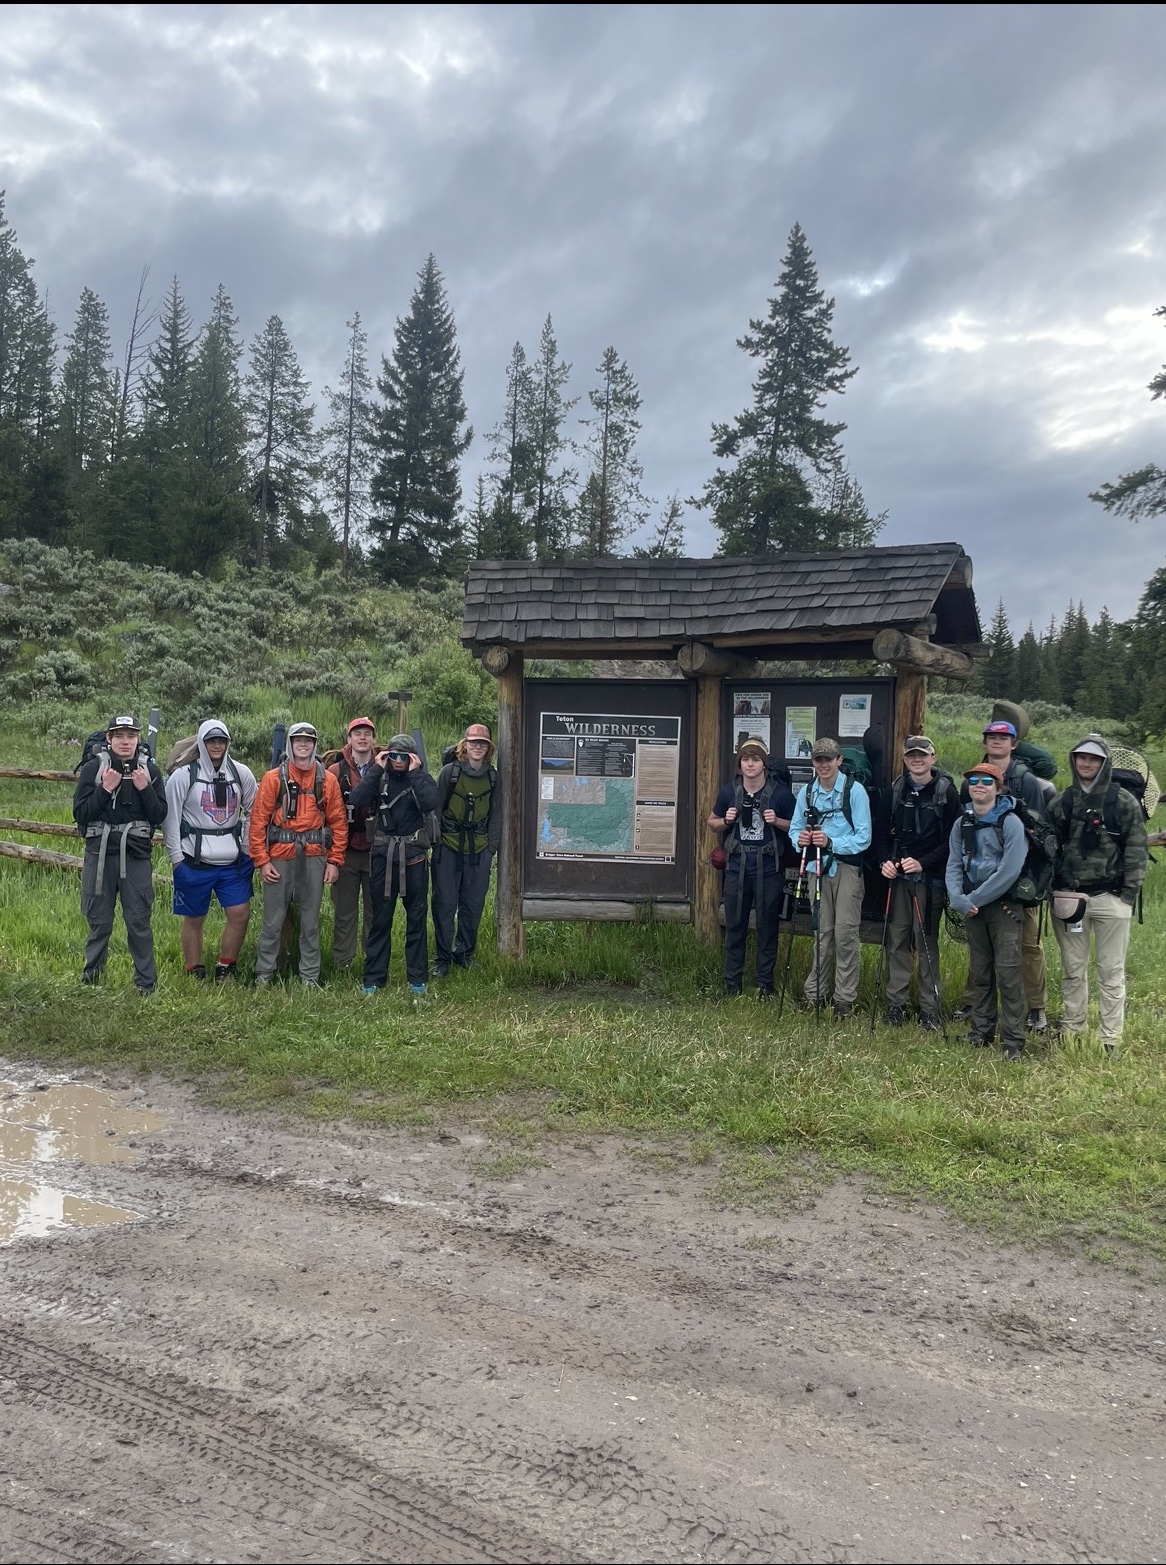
<point>341,1344</point>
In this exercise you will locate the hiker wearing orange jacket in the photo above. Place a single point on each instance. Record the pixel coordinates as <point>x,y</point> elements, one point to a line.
<point>297,838</point>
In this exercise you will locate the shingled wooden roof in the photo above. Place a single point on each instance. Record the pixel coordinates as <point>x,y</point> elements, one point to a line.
<point>799,603</point>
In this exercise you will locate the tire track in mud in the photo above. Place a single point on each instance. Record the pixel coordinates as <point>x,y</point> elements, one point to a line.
<point>26,1538</point>
<point>370,1514</point>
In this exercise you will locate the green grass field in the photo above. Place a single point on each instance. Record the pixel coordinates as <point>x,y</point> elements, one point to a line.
<point>621,1028</point>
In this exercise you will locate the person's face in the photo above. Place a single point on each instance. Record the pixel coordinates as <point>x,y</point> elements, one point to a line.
<point>123,742</point>
<point>918,764</point>
<point>476,749</point>
<point>399,760</point>
<point>752,766</point>
<point>1087,767</point>
<point>999,747</point>
<point>216,749</point>
<point>301,748</point>
<point>826,770</point>
<point>361,740</point>
<point>983,794</point>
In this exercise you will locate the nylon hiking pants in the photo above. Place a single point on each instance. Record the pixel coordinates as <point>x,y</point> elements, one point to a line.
<point>300,880</point>
<point>459,892</point>
<point>136,890</point>
<point>1032,962</point>
<point>994,965</point>
<point>378,946</point>
<point>904,938</point>
<point>737,910</point>
<point>349,894</point>
<point>1108,921</point>
<point>838,943</point>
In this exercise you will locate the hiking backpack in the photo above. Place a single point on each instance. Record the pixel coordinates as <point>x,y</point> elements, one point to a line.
<point>935,806</point>
<point>1033,884</point>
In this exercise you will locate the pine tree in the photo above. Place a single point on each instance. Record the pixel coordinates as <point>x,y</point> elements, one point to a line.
<point>32,498</point>
<point>612,505</point>
<point>349,438</point>
<point>1073,655</point>
<point>480,537</point>
<point>667,541</point>
<point>88,399</point>
<point>553,479</point>
<point>1141,493</point>
<point>998,670</point>
<point>512,454</point>
<point>1148,659</point>
<point>785,452</point>
<point>1027,674</point>
<point>421,438</point>
<point>281,436</point>
<point>140,323</point>
<point>218,516</point>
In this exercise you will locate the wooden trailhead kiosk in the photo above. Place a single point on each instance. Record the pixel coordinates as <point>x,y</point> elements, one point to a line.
<point>608,782</point>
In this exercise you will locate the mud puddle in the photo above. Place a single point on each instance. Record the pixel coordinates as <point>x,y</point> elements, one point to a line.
<point>62,1123</point>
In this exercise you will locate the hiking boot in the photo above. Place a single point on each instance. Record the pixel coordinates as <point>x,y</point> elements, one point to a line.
<point>145,990</point>
<point>419,992</point>
<point>370,989</point>
<point>930,1023</point>
<point>224,972</point>
<point>765,996</point>
<point>842,1010</point>
<point>896,1015</point>
<point>463,961</point>
<point>1037,1020</point>
<point>263,980</point>
<point>1013,1053</point>
<point>441,969</point>
<point>311,983</point>
<point>1110,1050</point>
<point>732,991</point>
<point>979,1041</point>
<point>961,1013</point>
<point>197,971</point>
<point>89,979</point>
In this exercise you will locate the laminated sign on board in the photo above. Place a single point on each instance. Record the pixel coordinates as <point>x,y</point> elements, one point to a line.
<point>608,787</point>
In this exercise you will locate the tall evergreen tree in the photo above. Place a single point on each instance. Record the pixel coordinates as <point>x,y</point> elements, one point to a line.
<point>1148,659</point>
<point>612,504</point>
<point>512,454</point>
<point>783,448</point>
<point>421,437</point>
<point>1027,678</point>
<point>281,436</point>
<point>88,404</point>
<point>349,438</point>
<point>218,517</point>
<point>1073,655</point>
<point>1141,493</point>
<point>667,541</point>
<point>998,670</point>
<point>32,497</point>
<point>553,476</point>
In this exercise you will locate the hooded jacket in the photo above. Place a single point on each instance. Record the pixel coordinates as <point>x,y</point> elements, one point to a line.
<point>996,859</point>
<point>197,825</point>
<point>1091,859</point>
<point>94,808</point>
<point>397,803</point>
<point>920,827</point>
<point>269,810</point>
<point>358,833</point>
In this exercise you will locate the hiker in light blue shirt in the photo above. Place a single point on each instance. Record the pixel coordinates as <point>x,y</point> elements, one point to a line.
<point>831,823</point>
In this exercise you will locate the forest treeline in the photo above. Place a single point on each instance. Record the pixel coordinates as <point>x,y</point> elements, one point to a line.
<point>184,449</point>
<point>187,451</point>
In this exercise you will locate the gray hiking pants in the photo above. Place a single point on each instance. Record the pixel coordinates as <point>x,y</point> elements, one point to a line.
<point>300,880</point>
<point>136,890</point>
<point>349,894</point>
<point>905,935</point>
<point>994,936</point>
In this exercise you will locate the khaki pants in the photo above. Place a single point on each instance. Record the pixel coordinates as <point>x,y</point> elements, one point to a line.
<point>1032,962</point>
<point>994,963</point>
<point>350,894</point>
<point>1108,920</point>
<point>838,942</point>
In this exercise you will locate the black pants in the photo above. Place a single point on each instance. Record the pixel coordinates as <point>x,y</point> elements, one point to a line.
<point>136,890</point>
<point>378,945</point>
<point>740,900</point>
<point>460,884</point>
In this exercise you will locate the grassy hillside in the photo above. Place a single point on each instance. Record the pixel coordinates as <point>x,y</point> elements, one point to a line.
<point>602,1027</point>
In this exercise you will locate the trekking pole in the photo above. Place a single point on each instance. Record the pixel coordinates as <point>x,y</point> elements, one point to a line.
<point>816,923</point>
<point>789,909</point>
<point>874,1004</point>
<point>931,973</point>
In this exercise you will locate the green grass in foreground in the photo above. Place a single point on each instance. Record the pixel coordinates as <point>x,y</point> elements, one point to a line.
<point>621,1027</point>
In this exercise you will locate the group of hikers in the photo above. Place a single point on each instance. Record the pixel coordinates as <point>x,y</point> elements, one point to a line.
<point>366,825</point>
<point>376,827</point>
<point>993,850</point>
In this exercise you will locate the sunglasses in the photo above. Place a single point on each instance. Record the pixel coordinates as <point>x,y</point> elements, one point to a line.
<point>477,741</point>
<point>398,755</point>
<point>981,782</point>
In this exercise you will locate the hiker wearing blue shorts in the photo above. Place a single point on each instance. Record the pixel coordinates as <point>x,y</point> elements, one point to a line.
<point>209,796</point>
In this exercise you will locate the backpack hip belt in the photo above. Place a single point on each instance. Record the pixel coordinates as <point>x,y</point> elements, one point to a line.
<point>395,848</point>
<point>317,837</point>
<point>125,831</point>
<point>199,832</point>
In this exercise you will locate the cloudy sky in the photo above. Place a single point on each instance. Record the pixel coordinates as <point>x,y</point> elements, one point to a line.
<point>982,188</point>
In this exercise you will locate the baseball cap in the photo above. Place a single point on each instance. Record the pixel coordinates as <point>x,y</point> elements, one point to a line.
<point>478,731</point>
<point>986,769</point>
<point>1089,747</point>
<point>361,722</point>
<point>826,750</point>
<point>1000,727</point>
<point>753,743</point>
<point>302,731</point>
<point>918,742</point>
<point>125,720</point>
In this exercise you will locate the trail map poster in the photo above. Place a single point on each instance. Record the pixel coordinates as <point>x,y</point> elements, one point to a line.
<point>608,787</point>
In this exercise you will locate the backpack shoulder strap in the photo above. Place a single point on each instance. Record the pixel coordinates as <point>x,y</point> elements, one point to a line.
<point>847,785</point>
<point>455,771</point>
<point>1109,813</point>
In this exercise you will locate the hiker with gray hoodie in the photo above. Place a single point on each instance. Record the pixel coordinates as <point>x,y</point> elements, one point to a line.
<point>208,799</point>
<point>986,853</point>
<point>1099,873</point>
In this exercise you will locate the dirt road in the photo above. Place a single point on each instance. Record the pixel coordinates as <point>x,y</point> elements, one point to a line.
<point>346,1345</point>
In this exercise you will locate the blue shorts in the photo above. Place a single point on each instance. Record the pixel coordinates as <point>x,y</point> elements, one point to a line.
<point>231,883</point>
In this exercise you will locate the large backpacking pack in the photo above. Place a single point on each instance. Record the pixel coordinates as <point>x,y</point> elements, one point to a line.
<point>97,746</point>
<point>1129,773</point>
<point>449,822</point>
<point>184,756</point>
<point>1042,846</point>
<point>933,807</point>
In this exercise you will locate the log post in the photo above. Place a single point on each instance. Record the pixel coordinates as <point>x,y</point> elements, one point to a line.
<point>508,900</point>
<point>895,646</point>
<point>698,661</point>
<point>910,714</point>
<point>707,887</point>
